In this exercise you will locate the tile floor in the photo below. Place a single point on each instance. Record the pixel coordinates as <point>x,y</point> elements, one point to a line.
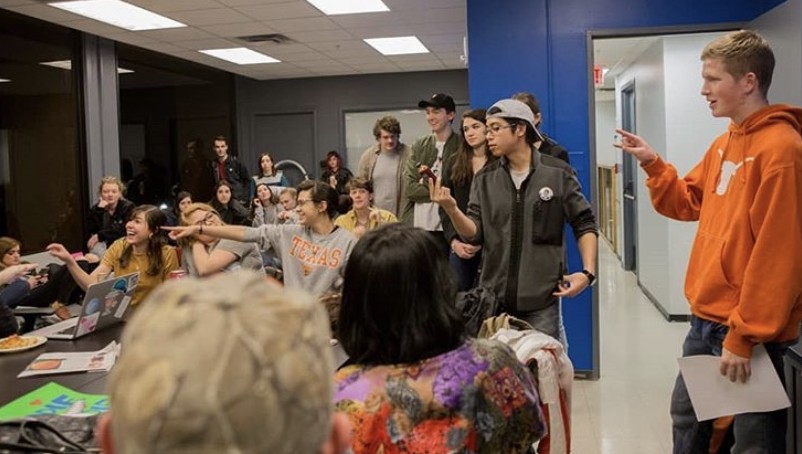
<point>626,410</point>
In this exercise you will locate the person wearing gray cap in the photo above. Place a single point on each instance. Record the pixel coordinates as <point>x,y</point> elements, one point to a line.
<point>229,364</point>
<point>428,154</point>
<point>517,210</point>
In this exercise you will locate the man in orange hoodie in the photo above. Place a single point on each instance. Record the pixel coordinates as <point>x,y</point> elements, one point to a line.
<point>743,280</point>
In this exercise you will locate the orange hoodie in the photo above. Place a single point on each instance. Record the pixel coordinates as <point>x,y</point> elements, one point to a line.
<point>745,267</point>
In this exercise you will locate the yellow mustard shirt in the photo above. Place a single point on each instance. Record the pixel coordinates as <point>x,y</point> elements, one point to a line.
<point>140,263</point>
<point>348,220</point>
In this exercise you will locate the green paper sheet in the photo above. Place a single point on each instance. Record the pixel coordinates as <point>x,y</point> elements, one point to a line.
<point>54,399</point>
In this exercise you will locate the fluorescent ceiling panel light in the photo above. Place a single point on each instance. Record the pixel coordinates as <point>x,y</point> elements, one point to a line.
<point>401,45</point>
<point>60,64</point>
<point>5,80</point>
<point>240,56</point>
<point>67,64</point>
<point>335,7</point>
<point>118,13</point>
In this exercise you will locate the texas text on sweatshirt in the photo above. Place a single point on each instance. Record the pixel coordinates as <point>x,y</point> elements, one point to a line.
<point>312,262</point>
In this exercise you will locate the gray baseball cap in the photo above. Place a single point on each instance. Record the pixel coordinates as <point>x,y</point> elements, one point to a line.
<point>511,108</point>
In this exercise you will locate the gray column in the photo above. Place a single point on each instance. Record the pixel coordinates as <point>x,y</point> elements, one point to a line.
<point>101,109</point>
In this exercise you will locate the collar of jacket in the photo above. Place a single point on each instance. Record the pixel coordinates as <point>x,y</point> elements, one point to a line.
<point>533,163</point>
<point>376,149</point>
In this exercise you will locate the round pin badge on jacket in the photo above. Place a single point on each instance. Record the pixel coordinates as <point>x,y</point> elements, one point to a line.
<point>546,193</point>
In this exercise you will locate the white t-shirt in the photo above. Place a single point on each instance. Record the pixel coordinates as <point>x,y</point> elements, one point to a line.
<point>518,177</point>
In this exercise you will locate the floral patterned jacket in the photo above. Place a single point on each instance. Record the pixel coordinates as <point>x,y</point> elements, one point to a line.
<point>477,398</point>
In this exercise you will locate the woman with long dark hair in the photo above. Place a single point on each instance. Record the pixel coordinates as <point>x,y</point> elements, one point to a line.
<point>142,249</point>
<point>267,174</point>
<point>415,382</point>
<point>265,206</point>
<point>182,200</point>
<point>458,171</point>
<point>230,209</point>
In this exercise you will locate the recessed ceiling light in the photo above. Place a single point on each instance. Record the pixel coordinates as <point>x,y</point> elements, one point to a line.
<point>240,56</point>
<point>67,64</point>
<point>5,80</point>
<point>118,13</point>
<point>401,45</point>
<point>335,7</point>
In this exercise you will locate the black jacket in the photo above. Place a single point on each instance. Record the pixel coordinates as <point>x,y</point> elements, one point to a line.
<point>110,226</point>
<point>550,147</point>
<point>522,229</point>
<point>236,174</point>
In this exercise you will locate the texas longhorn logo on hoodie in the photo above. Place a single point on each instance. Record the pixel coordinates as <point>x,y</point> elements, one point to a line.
<point>728,169</point>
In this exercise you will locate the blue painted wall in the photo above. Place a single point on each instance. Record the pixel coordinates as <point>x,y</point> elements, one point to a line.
<point>540,46</point>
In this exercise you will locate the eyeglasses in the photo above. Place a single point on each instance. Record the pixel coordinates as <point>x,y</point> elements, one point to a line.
<point>209,219</point>
<point>494,129</point>
<point>302,202</point>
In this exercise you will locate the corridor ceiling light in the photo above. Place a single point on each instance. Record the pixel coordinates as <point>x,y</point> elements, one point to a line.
<point>335,7</point>
<point>401,45</point>
<point>67,64</point>
<point>240,56</point>
<point>118,13</point>
<point>5,80</point>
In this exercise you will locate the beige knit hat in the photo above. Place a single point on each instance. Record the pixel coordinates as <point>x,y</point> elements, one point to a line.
<point>229,364</point>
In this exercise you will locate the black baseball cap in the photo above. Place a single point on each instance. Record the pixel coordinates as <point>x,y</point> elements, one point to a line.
<point>439,101</point>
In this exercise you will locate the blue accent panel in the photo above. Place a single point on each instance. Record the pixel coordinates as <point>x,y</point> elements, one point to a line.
<point>540,46</point>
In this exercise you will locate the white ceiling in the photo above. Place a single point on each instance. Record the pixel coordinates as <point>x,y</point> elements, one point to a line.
<point>322,45</point>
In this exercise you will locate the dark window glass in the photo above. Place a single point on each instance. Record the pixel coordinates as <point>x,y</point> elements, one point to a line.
<point>170,109</point>
<point>41,185</point>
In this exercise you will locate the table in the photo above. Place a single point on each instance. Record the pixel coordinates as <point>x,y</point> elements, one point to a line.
<point>12,364</point>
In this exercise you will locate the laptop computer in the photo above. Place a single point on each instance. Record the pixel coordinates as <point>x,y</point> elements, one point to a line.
<point>104,304</point>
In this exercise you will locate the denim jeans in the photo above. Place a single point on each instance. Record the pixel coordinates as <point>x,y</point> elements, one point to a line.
<point>548,320</point>
<point>755,433</point>
<point>465,270</point>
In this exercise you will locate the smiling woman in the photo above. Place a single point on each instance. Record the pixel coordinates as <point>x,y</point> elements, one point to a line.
<point>143,250</point>
<point>206,255</point>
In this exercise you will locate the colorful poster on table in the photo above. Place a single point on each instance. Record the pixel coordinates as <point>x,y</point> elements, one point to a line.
<point>54,399</point>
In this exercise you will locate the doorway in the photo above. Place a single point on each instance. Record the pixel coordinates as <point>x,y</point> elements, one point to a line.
<point>630,182</point>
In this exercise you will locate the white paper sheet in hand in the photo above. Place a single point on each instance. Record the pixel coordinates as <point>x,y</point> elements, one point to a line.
<point>714,395</point>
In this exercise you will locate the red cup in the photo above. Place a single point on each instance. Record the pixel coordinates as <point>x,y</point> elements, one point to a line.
<point>177,274</point>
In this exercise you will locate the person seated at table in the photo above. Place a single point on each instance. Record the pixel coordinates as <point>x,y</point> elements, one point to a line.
<point>205,255</point>
<point>182,200</point>
<point>415,382</point>
<point>230,364</point>
<point>143,249</point>
<point>107,218</point>
<point>287,198</point>
<point>54,287</point>
<point>266,211</point>
<point>265,206</point>
<point>363,216</point>
<point>230,209</point>
<point>313,253</point>
<point>10,283</point>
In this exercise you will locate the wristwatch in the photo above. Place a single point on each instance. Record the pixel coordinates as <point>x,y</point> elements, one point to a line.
<point>591,277</point>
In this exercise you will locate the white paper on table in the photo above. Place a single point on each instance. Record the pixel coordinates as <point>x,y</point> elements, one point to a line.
<point>714,395</point>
